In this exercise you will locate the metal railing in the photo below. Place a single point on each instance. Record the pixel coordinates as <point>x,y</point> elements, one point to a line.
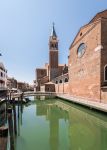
<point>3,88</point>
<point>33,94</point>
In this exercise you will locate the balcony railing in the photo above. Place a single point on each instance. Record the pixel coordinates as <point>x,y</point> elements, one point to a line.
<point>3,88</point>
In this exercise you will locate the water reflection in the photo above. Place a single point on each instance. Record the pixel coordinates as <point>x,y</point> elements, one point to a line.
<point>53,115</point>
<point>2,114</point>
<point>57,125</point>
<point>86,129</point>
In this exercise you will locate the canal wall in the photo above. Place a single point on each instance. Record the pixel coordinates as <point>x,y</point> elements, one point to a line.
<point>84,102</point>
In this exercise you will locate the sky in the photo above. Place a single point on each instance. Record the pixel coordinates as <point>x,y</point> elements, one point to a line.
<point>25,27</point>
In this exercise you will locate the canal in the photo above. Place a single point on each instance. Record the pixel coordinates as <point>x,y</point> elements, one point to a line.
<point>53,124</point>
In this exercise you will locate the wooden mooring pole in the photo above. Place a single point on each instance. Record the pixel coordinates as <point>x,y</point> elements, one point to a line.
<point>10,95</point>
<point>3,137</point>
<point>18,115</point>
<point>10,124</point>
<point>15,120</point>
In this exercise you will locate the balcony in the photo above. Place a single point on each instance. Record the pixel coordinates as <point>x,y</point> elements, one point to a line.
<point>3,88</point>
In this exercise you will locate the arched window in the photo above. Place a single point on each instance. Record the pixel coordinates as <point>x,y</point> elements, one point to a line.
<point>52,45</point>
<point>60,81</point>
<point>56,82</point>
<point>66,80</point>
<point>56,45</point>
<point>105,73</point>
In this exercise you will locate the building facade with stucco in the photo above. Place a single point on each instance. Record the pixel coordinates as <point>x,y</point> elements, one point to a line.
<point>3,76</point>
<point>3,79</point>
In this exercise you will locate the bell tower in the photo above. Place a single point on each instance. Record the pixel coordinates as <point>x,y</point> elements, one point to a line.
<point>53,54</point>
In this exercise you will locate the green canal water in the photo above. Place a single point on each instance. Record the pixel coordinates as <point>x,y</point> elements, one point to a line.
<point>54,124</point>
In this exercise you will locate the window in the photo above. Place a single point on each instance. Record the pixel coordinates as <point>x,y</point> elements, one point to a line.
<point>81,49</point>
<point>81,34</point>
<point>56,82</point>
<point>66,80</point>
<point>105,73</point>
<point>1,74</point>
<point>48,89</point>
<point>60,81</point>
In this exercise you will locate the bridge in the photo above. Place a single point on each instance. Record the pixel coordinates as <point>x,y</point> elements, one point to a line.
<point>39,94</point>
<point>32,93</point>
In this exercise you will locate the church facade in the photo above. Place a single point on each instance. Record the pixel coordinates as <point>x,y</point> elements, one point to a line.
<point>88,60</point>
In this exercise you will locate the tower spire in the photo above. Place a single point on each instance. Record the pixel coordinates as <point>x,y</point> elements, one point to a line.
<point>53,33</point>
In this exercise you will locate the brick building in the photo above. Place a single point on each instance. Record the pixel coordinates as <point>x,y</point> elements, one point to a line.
<point>88,60</point>
<point>52,69</point>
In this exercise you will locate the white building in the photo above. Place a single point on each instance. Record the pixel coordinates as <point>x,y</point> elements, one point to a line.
<point>3,77</point>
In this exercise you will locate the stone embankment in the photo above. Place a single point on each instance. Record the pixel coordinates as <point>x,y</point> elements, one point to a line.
<point>82,101</point>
